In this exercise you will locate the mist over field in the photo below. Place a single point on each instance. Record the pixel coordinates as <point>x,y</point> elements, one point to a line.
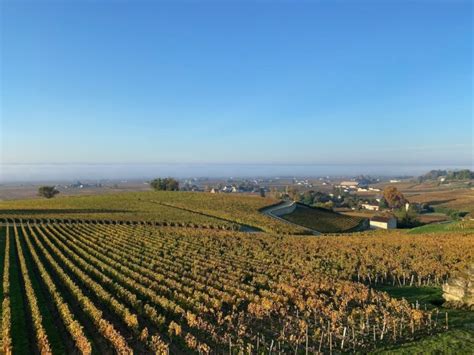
<point>58,172</point>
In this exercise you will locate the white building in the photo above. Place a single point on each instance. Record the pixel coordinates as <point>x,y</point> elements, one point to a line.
<point>383,222</point>
<point>373,189</point>
<point>229,188</point>
<point>370,206</point>
<point>349,184</point>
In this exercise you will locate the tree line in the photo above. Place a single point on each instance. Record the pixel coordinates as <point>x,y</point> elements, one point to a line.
<point>165,184</point>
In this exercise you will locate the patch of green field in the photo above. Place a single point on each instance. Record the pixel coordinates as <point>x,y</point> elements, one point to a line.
<point>459,339</point>
<point>455,226</point>
<point>432,296</point>
<point>430,228</point>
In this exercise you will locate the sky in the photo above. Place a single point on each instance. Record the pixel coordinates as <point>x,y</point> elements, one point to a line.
<point>239,83</point>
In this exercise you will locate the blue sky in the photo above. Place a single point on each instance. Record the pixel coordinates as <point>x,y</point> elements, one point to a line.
<point>344,82</point>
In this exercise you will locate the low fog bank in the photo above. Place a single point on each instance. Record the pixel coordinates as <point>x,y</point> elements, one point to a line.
<point>64,172</point>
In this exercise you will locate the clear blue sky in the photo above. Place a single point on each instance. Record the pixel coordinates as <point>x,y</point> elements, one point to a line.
<point>380,82</point>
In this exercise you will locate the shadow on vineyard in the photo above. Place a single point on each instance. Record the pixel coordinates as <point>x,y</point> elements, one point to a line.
<point>323,220</point>
<point>458,339</point>
<point>431,296</point>
<point>33,212</point>
<point>242,227</point>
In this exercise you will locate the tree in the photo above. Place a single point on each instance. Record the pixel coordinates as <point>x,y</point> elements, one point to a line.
<point>47,191</point>
<point>326,205</point>
<point>393,197</point>
<point>464,174</point>
<point>307,198</point>
<point>294,194</point>
<point>274,193</point>
<point>321,197</point>
<point>407,218</point>
<point>166,184</point>
<point>383,204</point>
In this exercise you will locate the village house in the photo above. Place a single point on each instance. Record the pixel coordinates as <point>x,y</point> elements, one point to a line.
<point>229,188</point>
<point>370,206</point>
<point>383,222</point>
<point>349,184</point>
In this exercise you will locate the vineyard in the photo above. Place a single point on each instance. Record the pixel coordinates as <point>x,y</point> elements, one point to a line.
<point>322,220</point>
<point>126,207</point>
<point>172,208</point>
<point>97,288</point>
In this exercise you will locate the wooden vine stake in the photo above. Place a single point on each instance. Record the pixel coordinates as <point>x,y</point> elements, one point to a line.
<point>343,338</point>
<point>306,351</point>
<point>321,342</point>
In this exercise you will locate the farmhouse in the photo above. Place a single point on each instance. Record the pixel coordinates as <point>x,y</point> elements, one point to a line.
<point>349,184</point>
<point>370,206</point>
<point>352,184</point>
<point>383,222</point>
<point>229,188</point>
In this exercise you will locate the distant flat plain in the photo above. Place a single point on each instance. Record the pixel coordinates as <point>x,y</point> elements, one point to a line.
<point>30,191</point>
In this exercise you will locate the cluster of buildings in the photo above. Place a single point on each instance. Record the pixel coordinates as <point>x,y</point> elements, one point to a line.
<point>227,189</point>
<point>235,189</point>
<point>378,221</point>
<point>80,185</point>
<point>348,186</point>
<point>371,206</point>
<point>304,183</point>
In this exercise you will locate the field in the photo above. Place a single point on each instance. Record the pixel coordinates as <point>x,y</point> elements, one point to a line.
<point>462,226</point>
<point>457,196</point>
<point>184,208</point>
<point>447,200</point>
<point>146,289</point>
<point>322,220</point>
<point>459,339</point>
<point>179,288</point>
<point>9,192</point>
<point>459,199</point>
